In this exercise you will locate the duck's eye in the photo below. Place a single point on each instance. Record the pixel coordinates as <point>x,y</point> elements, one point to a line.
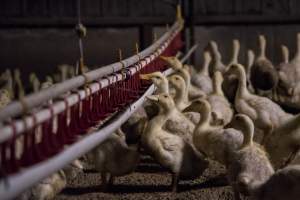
<point>176,78</point>
<point>165,96</point>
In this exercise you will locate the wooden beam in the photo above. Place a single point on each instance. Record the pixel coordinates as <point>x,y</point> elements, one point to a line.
<point>92,22</point>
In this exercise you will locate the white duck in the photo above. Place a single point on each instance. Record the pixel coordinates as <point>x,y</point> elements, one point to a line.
<point>181,98</point>
<point>289,73</point>
<point>263,74</point>
<point>221,109</point>
<point>178,123</point>
<point>284,143</point>
<point>202,79</point>
<point>114,158</point>
<point>249,166</point>
<point>265,114</point>
<point>6,90</point>
<point>193,92</point>
<point>170,150</point>
<point>230,80</point>
<point>46,189</point>
<point>217,64</point>
<point>214,141</point>
<point>282,185</point>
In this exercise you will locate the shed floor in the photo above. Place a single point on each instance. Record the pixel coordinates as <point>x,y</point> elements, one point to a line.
<point>150,181</point>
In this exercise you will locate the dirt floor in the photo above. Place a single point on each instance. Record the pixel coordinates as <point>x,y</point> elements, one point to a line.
<point>149,181</point>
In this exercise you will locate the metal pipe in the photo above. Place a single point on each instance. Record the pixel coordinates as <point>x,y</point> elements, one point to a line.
<point>34,100</point>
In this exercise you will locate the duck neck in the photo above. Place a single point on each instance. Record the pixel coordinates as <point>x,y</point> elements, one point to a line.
<point>160,119</point>
<point>180,96</point>
<point>262,45</point>
<point>187,78</point>
<point>204,119</point>
<point>204,69</point>
<point>248,131</point>
<point>163,88</point>
<point>235,53</point>
<point>242,86</point>
<point>217,87</point>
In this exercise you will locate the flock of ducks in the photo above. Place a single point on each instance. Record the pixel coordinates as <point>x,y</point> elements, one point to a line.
<point>223,113</point>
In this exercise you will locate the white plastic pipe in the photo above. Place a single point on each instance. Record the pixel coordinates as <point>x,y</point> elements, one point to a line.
<point>28,122</point>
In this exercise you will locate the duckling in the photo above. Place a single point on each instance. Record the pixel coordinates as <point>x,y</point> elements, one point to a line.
<point>214,141</point>
<point>114,158</point>
<point>284,184</point>
<point>249,166</point>
<point>263,74</point>
<point>169,150</point>
<point>46,189</point>
<point>201,79</point>
<point>222,112</point>
<point>230,80</point>
<point>289,73</point>
<point>217,64</point>
<point>193,92</point>
<point>6,88</point>
<point>265,114</point>
<point>6,83</point>
<point>181,98</point>
<point>178,123</point>
<point>73,169</point>
<point>34,81</point>
<point>284,143</point>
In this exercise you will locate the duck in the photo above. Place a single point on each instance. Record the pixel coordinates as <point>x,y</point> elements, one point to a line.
<point>284,143</point>
<point>284,184</point>
<point>6,88</point>
<point>222,112</point>
<point>181,98</point>
<point>230,80</point>
<point>217,64</point>
<point>215,142</point>
<point>201,79</point>
<point>174,62</point>
<point>266,114</point>
<point>248,166</point>
<point>46,189</point>
<point>168,149</point>
<point>263,74</point>
<point>178,123</point>
<point>289,72</point>
<point>35,82</point>
<point>113,158</point>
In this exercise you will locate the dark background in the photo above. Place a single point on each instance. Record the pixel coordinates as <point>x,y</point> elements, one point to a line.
<point>37,35</point>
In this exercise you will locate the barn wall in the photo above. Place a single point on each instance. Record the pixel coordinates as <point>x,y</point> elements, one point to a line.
<point>36,35</point>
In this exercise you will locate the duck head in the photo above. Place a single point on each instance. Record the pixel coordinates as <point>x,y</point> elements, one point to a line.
<point>177,81</point>
<point>164,100</point>
<point>158,79</point>
<point>173,62</point>
<point>198,105</point>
